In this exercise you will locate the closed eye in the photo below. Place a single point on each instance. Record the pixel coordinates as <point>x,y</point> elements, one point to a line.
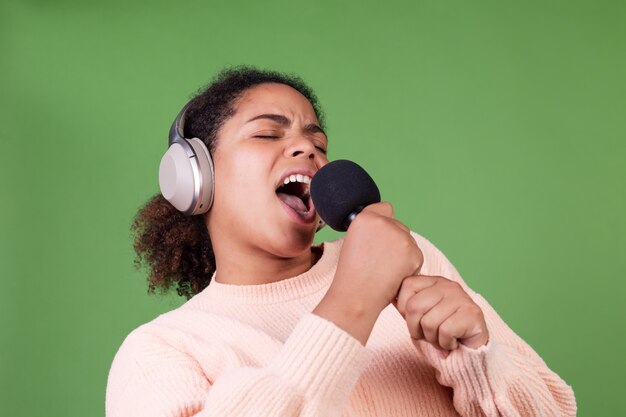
<point>320,148</point>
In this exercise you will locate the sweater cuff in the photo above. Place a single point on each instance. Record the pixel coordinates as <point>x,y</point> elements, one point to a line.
<point>322,360</point>
<point>474,374</point>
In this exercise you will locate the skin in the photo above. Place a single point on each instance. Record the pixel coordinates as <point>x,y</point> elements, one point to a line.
<point>256,242</point>
<point>438,310</point>
<point>253,240</point>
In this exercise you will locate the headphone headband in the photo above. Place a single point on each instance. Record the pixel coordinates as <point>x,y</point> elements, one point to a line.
<point>177,133</point>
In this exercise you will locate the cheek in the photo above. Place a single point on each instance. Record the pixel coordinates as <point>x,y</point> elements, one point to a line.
<point>243,181</point>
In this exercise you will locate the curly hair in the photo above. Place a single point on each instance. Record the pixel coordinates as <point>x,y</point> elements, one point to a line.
<point>177,248</point>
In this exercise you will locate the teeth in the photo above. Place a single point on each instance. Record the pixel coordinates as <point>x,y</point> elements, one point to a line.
<point>297,178</point>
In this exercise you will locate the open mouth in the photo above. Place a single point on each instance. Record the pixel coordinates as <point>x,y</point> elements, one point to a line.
<point>294,193</point>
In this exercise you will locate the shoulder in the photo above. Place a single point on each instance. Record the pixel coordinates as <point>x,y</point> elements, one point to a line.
<point>154,360</point>
<point>148,339</point>
<point>169,334</point>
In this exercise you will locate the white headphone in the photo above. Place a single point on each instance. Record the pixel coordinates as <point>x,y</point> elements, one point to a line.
<point>186,175</point>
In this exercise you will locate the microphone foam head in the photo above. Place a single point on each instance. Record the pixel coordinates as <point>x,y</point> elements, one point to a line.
<point>341,188</point>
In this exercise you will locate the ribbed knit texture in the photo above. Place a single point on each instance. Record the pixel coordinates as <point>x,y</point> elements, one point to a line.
<point>257,350</point>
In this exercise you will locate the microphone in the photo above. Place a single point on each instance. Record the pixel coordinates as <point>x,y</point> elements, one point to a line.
<point>340,190</point>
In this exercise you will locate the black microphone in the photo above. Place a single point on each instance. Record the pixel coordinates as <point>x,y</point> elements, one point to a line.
<point>340,190</point>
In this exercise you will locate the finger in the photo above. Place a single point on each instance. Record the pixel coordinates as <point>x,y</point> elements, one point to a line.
<point>384,208</point>
<point>432,321</point>
<point>411,286</point>
<point>447,333</point>
<point>450,330</point>
<point>472,329</point>
<point>465,327</point>
<point>416,307</point>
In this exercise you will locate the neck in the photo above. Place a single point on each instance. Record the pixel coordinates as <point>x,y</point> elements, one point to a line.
<point>251,266</point>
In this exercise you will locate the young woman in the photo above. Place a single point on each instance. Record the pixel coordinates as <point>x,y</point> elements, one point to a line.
<point>378,323</point>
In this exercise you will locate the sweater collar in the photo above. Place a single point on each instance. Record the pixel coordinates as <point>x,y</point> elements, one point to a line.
<point>320,275</point>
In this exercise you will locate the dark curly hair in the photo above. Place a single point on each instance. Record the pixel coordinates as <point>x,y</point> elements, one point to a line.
<point>177,248</point>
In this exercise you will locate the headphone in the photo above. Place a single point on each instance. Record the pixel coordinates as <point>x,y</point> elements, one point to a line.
<point>186,173</point>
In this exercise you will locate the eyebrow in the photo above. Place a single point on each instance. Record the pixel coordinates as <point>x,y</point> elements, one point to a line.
<point>282,120</point>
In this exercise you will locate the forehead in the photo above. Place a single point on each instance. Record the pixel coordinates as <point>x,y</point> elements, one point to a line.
<point>274,98</point>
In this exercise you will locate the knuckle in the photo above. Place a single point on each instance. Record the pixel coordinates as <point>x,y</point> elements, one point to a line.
<point>428,323</point>
<point>387,206</point>
<point>451,285</point>
<point>417,263</point>
<point>408,244</point>
<point>411,281</point>
<point>472,313</point>
<point>381,221</point>
<point>417,259</point>
<point>405,245</point>
<point>413,307</point>
<point>446,329</point>
<point>476,311</point>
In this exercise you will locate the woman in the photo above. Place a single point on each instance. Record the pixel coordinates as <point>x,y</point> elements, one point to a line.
<point>378,323</point>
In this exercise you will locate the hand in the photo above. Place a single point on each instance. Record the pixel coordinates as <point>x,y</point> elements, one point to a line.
<point>439,311</point>
<point>378,252</point>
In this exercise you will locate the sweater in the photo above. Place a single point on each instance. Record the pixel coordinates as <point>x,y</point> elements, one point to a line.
<point>258,350</point>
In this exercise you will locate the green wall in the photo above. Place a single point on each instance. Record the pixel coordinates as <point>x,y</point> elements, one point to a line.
<point>496,128</point>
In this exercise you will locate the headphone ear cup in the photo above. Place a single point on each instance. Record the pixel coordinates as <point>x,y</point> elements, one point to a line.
<point>186,176</point>
<point>207,176</point>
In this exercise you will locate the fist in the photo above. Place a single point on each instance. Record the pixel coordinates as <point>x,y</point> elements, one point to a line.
<point>378,252</point>
<point>439,311</point>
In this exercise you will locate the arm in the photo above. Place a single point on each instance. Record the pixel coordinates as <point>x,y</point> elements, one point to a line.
<point>313,374</point>
<point>505,376</point>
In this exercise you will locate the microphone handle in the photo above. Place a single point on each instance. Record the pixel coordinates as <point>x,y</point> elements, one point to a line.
<point>352,216</point>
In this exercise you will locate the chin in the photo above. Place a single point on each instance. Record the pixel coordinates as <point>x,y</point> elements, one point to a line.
<point>294,242</point>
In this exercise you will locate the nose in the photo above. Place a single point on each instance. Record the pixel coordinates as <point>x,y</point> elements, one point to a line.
<point>301,147</point>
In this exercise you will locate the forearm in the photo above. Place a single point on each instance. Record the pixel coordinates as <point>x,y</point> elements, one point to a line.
<point>312,374</point>
<point>504,377</point>
<point>348,312</point>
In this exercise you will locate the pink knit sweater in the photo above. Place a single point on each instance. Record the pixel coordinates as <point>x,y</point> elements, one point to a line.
<point>257,350</point>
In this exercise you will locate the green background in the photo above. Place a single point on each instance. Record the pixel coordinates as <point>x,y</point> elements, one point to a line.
<point>496,128</point>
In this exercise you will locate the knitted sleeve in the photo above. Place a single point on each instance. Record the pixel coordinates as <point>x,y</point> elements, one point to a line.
<point>505,377</point>
<point>313,374</point>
